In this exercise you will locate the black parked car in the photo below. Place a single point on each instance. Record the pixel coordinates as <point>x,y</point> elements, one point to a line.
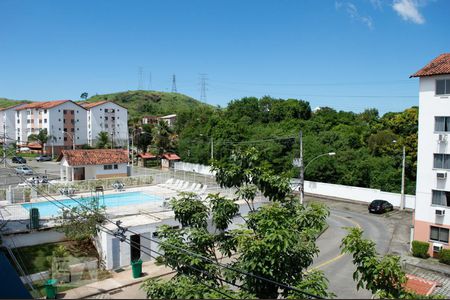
<point>380,206</point>
<point>19,160</point>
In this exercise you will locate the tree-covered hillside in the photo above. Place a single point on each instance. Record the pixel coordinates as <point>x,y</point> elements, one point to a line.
<point>141,103</point>
<point>4,102</point>
<point>366,154</point>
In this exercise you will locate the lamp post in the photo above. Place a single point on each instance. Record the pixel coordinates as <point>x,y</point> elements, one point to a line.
<point>303,169</point>
<point>402,192</point>
<point>71,136</point>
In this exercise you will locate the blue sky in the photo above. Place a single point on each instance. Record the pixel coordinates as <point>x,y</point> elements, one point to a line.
<point>348,55</point>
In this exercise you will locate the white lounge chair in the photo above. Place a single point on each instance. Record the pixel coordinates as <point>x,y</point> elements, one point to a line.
<point>197,188</point>
<point>184,186</point>
<point>177,185</point>
<point>174,184</point>
<point>191,188</point>
<point>203,190</point>
<point>167,183</point>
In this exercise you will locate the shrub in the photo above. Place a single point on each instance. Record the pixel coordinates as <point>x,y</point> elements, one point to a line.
<point>420,249</point>
<point>444,256</point>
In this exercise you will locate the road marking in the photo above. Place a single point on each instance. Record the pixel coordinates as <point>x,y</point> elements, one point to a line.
<point>340,255</point>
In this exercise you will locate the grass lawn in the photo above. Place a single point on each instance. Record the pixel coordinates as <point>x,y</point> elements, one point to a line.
<point>35,259</point>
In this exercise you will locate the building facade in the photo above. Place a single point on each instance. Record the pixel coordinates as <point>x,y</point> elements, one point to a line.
<point>432,212</point>
<point>109,117</point>
<point>8,123</point>
<point>64,120</point>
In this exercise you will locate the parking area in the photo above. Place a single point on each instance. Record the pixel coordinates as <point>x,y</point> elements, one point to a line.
<point>8,175</point>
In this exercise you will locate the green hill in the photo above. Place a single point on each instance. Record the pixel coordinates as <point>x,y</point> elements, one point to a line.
<point>141,103</point>
<point>4,102</point>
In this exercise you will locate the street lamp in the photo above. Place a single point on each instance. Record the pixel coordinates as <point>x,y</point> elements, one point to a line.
<point>71,136</point>
<point>302,172</point>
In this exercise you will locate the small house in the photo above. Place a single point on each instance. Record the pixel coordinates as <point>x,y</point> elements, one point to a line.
<point>168,160</point>
<point>93,164</point>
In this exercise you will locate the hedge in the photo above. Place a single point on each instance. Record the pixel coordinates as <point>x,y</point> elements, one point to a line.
<point>444,256</point>
<point>420,249</point>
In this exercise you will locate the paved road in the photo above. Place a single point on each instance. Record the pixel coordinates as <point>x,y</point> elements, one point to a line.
<point>384,230</point>
<point>8,175</point>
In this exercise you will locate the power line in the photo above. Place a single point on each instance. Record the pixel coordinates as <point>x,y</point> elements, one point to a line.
<point>398,81</point>
<point>180,249</point>
<point>140,78</point>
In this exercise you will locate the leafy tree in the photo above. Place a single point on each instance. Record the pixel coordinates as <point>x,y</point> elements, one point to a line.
<point>79,223</point>
<point>276,241</point>
<point>42,137</point>
<point>103,140</point>
<point>383,276</point>
<point>163,137</point>
<point>144,138</point>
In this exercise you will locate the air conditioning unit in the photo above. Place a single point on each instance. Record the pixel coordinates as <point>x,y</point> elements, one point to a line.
<point>442,138</point>
<point>441,175</point>
<point>437,247</point>
<point>440,212</point>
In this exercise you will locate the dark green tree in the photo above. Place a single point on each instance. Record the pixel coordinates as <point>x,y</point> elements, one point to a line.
<point>42,137</point>
<point>103,140</point>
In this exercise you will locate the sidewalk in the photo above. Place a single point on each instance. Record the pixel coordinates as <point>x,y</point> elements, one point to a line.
<point>119,280</point>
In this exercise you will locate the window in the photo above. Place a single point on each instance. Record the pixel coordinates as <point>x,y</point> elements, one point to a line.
<point>442,124</point>
<point>40,121</point>
<point>106,110</point>
<point>71,112</point>
<point>65,129</point>
<point>115,167</point>
<point>439,234</point>
<point>78,129</point>
<point>65,112</point>
<point>59,120</point>
<point>64,121</point>
<point>18,121</point>
<point>77,111</point>
<point>65,138</point>
<point>106,125</point>
<point>440,198</point>
<point>28,121</point>
<point>112,118</point>
<point>72,129</point>
<point>45,111</point>
<point>45,120</point>
<point>106,118</point>
<point>441,161</point>
<point>107,167</point>
<point>442,86</point>
<point>72,121</point>
<point>17,113</point>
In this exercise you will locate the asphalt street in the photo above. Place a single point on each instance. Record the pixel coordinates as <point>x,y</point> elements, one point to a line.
<point>339,268</point>
<point>8,175</point>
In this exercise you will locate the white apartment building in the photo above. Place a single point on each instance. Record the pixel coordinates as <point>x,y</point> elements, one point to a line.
<point>64,120</point>
<point>109,117</point>
<point>8,123</point>
<point>432,213</point>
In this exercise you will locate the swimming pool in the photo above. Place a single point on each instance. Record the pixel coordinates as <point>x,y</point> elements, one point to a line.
<point>48,209</point>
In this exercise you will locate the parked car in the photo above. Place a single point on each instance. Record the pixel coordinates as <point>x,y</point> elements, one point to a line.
<point>24,169</point>
<point>380,206</point>
<point>19,160</point>
<point>44,158</point>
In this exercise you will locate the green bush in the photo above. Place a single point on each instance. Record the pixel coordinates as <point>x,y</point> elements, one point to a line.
<point>444,256</point>
<point>420,249</point>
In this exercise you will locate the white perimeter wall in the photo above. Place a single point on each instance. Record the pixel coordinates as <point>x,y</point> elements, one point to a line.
<point>197,168</point>
<point>355,193</point>
<point>33,238</point>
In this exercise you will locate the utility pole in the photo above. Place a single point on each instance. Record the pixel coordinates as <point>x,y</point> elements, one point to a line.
<point>203,84</point>
<point>402,199</point>
<point>4,141</point>
<point>301,175</point>
<point>212,149</point>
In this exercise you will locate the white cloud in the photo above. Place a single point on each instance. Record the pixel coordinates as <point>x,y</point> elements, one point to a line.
<point>376,4</point>
<point>354,14</point>
<point>409,10</point>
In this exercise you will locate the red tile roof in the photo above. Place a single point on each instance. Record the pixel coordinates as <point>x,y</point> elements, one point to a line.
<point>34,146</point>
<point>438,66</point>
<point>89,105</point>
<point>45,104</point>
<point>419,285</point>
<point>171,156</point>
<point>94,157</point>
<point>146,155</point>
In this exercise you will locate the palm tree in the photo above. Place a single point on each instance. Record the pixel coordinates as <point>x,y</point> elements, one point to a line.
<point>163,137</point>
<point>102,139</point>
<point>42,137</point>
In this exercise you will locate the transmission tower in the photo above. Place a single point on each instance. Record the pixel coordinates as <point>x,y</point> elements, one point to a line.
<point>203,86</point>
<point>149,81</point>
<point>140,78</point>
<point>174,84</point>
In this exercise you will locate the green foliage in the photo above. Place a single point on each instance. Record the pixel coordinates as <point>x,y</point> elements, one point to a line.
<point>103,140</point>
<point>42,137</point>
<point>365,153</point>
<point>163,137</point>
<point>383,276</point>
<point>80,223</point>
<point>444,256</point>
<point>420,249</point>
<point>276,241</point>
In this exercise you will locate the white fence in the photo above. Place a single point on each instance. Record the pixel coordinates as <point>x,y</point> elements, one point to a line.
<point>197,168</point>
<point>355,193</point>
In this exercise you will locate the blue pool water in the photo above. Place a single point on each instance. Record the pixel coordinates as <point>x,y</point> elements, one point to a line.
<point>48,209</point>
